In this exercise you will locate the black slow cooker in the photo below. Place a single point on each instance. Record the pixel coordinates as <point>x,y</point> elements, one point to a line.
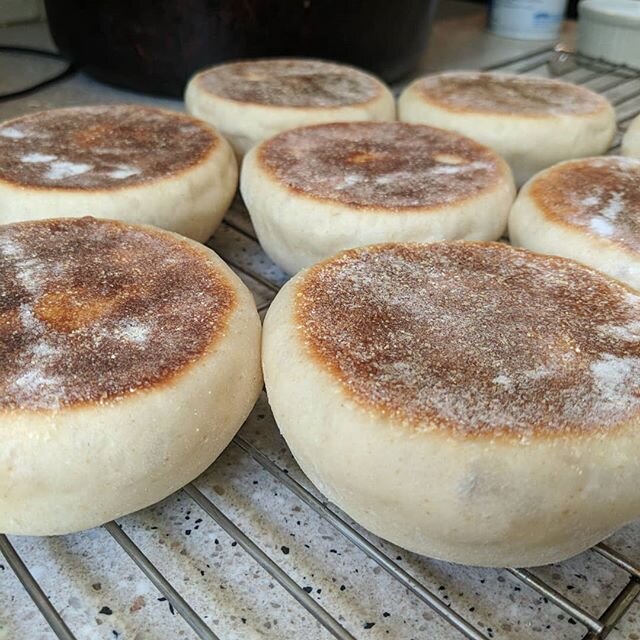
<point>155,45</point>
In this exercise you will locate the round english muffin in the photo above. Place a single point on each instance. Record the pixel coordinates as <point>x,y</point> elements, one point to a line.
<point>129,358</point>
<point>253,100</point>
<point>631,139</point>
<point>467,401</point>
<point>588,210</point>
<point>127,162</point>
<point>531,122</point>
<point>314,191</point>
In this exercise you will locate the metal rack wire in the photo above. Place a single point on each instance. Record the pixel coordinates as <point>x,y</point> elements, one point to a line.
<point>622,86</point>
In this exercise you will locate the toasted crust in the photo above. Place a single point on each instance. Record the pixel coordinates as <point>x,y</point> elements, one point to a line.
<point>91,311</point>
<point>600,196</point>
<point>383,166</point>
<point>475,339</point>
<point>101,148</point>
<point>290,83</point>
<point>517,96</point>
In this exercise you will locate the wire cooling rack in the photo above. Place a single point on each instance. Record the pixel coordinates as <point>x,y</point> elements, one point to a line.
<point>588,597</point>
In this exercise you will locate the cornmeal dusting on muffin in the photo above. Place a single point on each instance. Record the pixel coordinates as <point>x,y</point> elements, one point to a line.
<point>391,165</point>
<point>521,95</point>
<point>100,147</point>
<point>91,311</point>
<point>599,195</point>
<point>475,338</point>
<point>290,83</point>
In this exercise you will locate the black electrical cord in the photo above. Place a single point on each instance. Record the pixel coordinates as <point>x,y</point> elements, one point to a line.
<point>69,70</point>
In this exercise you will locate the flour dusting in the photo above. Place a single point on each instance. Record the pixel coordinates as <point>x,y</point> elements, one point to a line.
<point>508,93</point>
<point>290,83</point>
<point>101,147</point>
<point>349,180</point>
<point>36,383</point>
<point>124,171</point>
<point>42,350</point>
<point>12,132</point>
<point>95,310</point>
<point>478,338</point>
<point>600,195</point>
<point>388,165</point>
<point>590,201</point>
<point>60,169</point>
<point>35,157</point>
<point>629,332</point>
<point>602,227</point>
<point>29,321</point>
<point>9,247</point>
<point>133,331</point>
<point>616,380</point>
<point>454,169</point>
<point>614,206</point>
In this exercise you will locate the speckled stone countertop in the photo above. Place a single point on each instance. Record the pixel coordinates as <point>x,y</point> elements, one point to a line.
<point>102,595</point>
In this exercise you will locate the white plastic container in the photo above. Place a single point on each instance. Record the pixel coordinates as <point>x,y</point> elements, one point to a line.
<point>527,19</point>
<point>610,29</point>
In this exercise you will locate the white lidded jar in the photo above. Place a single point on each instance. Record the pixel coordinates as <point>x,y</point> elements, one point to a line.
<point>610,29</point>
<point>527,19</point>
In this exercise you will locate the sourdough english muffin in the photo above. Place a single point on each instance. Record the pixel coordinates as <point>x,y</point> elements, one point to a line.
<point>467,401</point>
<point>631,139</point>
<point>253,100</point>
<point>129,357</point>
<point>531,122</point>
<point>314,191</point>
<point>127,162</point>
<point>588,210</point>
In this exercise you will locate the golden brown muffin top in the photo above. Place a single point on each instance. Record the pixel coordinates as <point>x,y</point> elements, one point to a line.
<point>290,82</point>
<point>382,165</point>
<point>599,195</point>
<point>502,93</point>
<point>477,339</point>
<point>101,147</point>
<point>91,311</point>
